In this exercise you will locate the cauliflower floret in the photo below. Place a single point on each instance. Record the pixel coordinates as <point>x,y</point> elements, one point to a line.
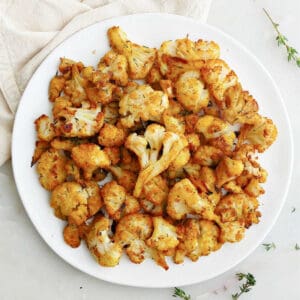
<point>183,199</point>
<point>219,77</point>
<point>116,65</point>
<point>144,104</point>
<point>208,177</point>
<point>129,160</point>
<point>252,169</point>
<point>190,91</point>
<point>178,163</point>
<point>72,235</point>
<point>207,155</point>
<point>75,87</point>
<point>197,238</point>
<point>261,135</point>
<point>76,202</point>
<point>103,94</point>
<point>117,202</point>
<point>228,169</point>
<point>79,122</point>
<point>124,177</point>
<point>241,107</point>
<point>184,52</point>
<point>140,58</point>
<point>156,190</point>
<point>51,169</point>
<point>167,143</point>
<point>164,236</point>
<point>45,128</point>
<point>56,86</point>
<point>131,232</point>
<point>217,132</point>
<point>89,157</point>
<point>232,232</point>
<point>238,207</point>
<point>65,66</point>
<point>101,245</point>
<point>40,148</point>
<point>111,136</point>
<point>190,122</point>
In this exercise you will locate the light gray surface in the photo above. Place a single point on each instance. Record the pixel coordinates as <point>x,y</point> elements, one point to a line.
<point>30,270</point>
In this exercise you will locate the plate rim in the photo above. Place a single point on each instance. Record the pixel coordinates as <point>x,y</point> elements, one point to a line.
<point>286,117</point>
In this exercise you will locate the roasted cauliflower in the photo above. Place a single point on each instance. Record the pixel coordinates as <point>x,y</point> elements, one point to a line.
<point>142,104</point>
<point>104,249</point>
<point>89,157</point>
<point>76,202</point>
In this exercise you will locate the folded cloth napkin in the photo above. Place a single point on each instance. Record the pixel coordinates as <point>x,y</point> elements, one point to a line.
<point>30,29</point>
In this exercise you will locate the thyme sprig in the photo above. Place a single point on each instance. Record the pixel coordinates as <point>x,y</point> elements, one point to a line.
<point>245,287</point>
<point>292,53</point>
<point>179,293</point>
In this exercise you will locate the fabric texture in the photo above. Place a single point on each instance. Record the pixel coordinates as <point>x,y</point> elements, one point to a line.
<point>30,29</point>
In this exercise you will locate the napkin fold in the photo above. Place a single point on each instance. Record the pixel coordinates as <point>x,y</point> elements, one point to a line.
<point>30,29</point>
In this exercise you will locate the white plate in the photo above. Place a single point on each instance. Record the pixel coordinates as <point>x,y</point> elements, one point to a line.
<point>151,30</point>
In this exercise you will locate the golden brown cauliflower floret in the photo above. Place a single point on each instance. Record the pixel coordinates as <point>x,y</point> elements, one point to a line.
<point>65,66</point>
<point>144,104</point>
<point>140,58</point>
<point>261,135</point>
<point>167,143</point>
<point>79,122</point>
<point>72,171</point>
<point>164,236</point>
<point>217,133</point>
<point>116,66</point>
<point>111,136</point>
<point>183,199</point>
<point>190,122</point>
<point>156,190</point>
<point>73,234</point>
<point>198,238</point>
<point>207,155</point>
<point>176,57</point>
<point>56,86</point>
<point>103,94</point>
<point>228,169</point>
<point>219,77</point>
<point>131,232</point>
<point>45,128</point>
<point>238,207</point>
<point>90,157</point>
<point>190,91</point>
<point>232,231</point>
<point>75,87</point>
<point>241,107</point>
<point>76,202</point>
<point>101,245</point>
<point>117,202</point>
<point>40,148</point>
<point>51,169</point>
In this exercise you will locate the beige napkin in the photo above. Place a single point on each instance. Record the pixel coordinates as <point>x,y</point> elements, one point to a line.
<point>30,29</point>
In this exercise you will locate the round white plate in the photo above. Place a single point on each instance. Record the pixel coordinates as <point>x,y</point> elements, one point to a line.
<point>89,45</point>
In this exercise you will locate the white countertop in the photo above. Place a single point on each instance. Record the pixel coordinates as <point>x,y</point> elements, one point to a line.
<point>30,270</point>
